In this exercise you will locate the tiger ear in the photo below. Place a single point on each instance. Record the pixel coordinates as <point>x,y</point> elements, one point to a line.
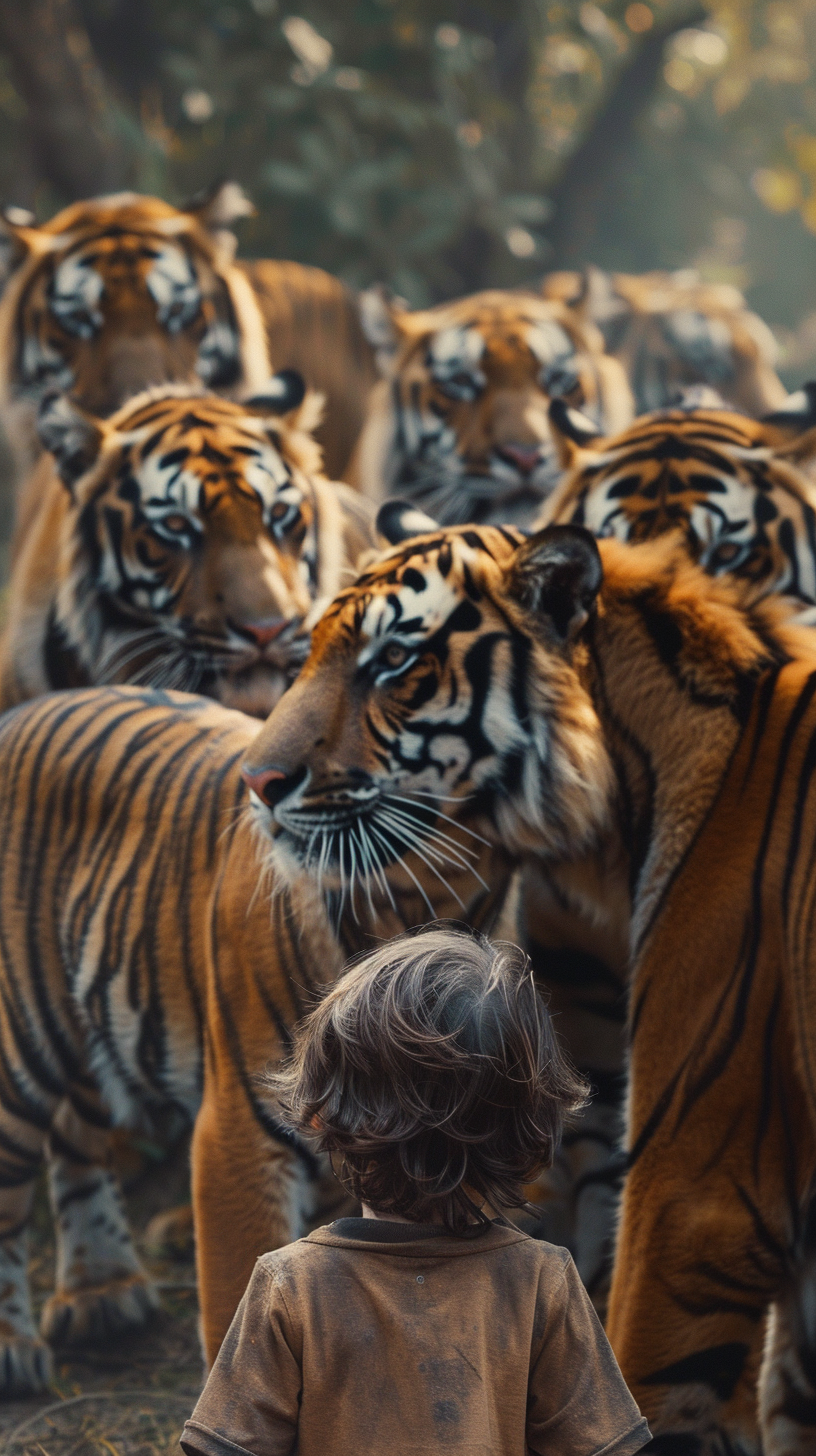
<point>73,437</point>
<point>216,208</point>
<point>16,227</point>
<point>793,424</point>
<point>556,575</point>
<point>572,431</point>
<point>381,317</point>
<point>398,520</point>
<point>285,391</point>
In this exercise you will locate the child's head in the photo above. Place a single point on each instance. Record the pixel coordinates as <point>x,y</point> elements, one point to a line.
<point>431,1070</point>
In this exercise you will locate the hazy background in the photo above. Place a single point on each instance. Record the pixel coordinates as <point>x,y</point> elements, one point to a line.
<point>442,145</point>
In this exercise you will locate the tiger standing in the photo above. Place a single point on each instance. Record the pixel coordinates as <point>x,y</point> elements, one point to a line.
<point>459,424</point>
<point>151,954</point>
<point>184,543</point>
<point>576,696</point>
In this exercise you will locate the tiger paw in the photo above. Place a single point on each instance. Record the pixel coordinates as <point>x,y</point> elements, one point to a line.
<point>98,1312</point>
<point>26,1366</point>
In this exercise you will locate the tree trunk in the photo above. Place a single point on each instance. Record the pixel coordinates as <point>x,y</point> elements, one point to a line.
<point>57,76</point>
<point>590,173</point>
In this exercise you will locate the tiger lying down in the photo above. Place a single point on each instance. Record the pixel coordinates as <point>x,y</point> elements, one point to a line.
<point>183,543</point>
<point>546,694</point>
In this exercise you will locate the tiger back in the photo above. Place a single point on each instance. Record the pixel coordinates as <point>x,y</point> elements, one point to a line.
<point>183,542</point>
<point>459,424</point>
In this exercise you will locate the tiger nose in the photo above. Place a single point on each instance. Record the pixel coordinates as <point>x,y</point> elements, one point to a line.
<point>263,631</point>
<point>524,457</point>
<point>262,781</point>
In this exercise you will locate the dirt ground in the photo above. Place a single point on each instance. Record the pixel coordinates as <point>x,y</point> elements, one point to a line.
<point>132,1397</point>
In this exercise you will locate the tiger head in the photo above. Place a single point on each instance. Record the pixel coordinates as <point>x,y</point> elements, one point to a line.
<point>675,335</point>
<point>733,486</point>
<point>460,426</point>
<point>197,536</point>
<point>441,704</point>
<point>119,293</point>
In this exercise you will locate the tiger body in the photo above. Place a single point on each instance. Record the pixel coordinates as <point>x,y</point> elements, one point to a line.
<point>673,716</point>
<point>151,954</point>
<point>731,485</point>
<point>313,325</point>
<point>459,427</point>
<point>674,334</point>
<point>185,545</point>
<point>119,293</point>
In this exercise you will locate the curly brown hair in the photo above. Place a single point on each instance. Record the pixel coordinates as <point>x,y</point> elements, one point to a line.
<point>432,1075</point>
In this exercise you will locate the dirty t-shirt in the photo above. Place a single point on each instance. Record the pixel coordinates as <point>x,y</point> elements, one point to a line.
<point>374,1338</point>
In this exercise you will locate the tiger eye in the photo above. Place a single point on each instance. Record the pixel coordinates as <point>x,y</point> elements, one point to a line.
<point>395,654</point>
<point>175,523</point>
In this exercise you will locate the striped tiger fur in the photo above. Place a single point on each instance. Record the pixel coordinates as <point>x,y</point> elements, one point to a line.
<point>736,491</point>
<point>151,953</point>
<point>577,697</point>
<point>184,544</point>
<point>459,424</point>
<point>674,334</point>
<point>734,487</point>
<point>118,293</point>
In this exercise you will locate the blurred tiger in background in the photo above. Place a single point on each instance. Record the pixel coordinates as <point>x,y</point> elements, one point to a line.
<point>183,542</point>
<point>459,424</point>
<point>735,488</point>
<point>118,293</point>
<point>674,334</point>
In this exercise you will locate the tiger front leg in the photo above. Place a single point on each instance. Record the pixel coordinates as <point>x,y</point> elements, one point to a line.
<point>102,1290</point>
<point>252,1191</point>
<point>25,1359</point>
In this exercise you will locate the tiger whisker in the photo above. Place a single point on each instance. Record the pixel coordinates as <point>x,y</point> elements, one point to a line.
<point>403,799</point>
<point>408,871</point>
<point>413,843</point>
<point>429,832</point>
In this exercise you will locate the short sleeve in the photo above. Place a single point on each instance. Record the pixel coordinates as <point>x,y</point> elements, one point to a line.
<point>578,1403</point>
<point>251,1400</point>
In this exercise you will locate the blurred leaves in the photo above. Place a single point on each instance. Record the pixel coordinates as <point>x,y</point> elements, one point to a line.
<point>425,142</point>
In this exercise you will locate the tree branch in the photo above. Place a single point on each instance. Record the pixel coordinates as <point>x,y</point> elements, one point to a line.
<point>578,195</point>
<point>57,76</point>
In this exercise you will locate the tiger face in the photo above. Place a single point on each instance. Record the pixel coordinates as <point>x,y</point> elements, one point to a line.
<point>435,710</point>
<point>675,334</point>
<point>460,425</point>
<point>119,293</point>
<point>193,544</point>
<point>732,486</point>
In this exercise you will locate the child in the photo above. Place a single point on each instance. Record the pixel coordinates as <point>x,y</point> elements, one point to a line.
<point>431,1074</point>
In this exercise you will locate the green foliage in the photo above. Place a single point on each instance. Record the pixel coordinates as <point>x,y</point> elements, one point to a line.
<point>424,142</point>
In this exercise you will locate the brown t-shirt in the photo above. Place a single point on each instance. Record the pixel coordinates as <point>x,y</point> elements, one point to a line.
<point>374,1338</point>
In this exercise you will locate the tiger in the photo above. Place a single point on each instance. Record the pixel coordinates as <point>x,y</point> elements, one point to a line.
<point>118,293</point>
<point>552,695</point>
<point>459,424</point>
<point>182,542</point>
<point>678,337</point>
<point>577,695</point>
<point>737,489</point>
<point>151,954</point>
